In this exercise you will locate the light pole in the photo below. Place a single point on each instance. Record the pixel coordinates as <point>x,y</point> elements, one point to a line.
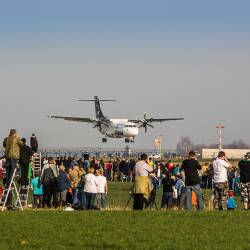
<point>158,143</point>
<point>220,128</point>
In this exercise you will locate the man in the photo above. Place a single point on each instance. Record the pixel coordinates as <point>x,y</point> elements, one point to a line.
<point>25,156</point>
<point>244,166</point>
<point>190,168</point>
<point>12,153</point>
<point>142,185</point>
<point>220,169</point>
<point>33,143</point>
<point>49,181</point>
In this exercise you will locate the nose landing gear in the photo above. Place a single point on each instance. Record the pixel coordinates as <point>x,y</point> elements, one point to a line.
<point>129,140</point>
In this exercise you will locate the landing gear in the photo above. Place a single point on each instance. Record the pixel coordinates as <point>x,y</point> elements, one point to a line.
<point>104,140</point>
<point>129,140</point>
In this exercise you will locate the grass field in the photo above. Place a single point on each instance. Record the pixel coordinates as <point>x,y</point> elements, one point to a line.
<point>124,229</point>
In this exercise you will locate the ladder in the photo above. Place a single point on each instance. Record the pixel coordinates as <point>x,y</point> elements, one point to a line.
<point>37,164</point>
<point>24,193</point>
<point>9,191</point>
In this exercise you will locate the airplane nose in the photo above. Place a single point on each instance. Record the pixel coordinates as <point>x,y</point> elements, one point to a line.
<point>131,132</point>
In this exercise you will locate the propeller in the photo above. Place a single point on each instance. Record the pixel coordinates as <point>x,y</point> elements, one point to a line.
<point>146,123</point>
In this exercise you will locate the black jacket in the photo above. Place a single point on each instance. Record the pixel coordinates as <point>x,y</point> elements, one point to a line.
<point>191,167</point>
<point>25,154</point>
<point>244,166</point>
<point>168,184</point>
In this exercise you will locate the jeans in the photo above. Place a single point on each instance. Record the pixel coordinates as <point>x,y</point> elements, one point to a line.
<point>76,192</point>
<point>101,200</point>
<point>10,167</point>
<point>198,192</point>
<point>167,200</point>
<point>90,200</point>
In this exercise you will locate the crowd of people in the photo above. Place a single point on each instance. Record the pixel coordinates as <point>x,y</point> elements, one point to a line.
<point>71,183</point>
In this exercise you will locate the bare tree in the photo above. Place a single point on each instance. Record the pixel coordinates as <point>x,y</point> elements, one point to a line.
<point>184,145</point>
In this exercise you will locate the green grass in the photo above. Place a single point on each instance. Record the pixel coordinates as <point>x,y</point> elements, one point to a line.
<point>125,229</point>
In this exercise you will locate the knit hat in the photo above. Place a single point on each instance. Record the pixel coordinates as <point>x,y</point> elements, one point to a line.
<point>231,194</point>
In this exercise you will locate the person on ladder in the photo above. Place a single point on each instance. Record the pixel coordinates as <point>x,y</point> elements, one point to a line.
<point>12,153</point>
<point>25,157</point>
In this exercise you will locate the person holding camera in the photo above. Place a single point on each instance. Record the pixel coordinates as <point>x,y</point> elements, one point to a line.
<point>190,169</point>
<point>220,169</point>
<point>142,185</point>
<point>12,153</point>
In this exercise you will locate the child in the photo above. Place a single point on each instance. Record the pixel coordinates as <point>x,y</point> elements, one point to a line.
<point>102,188</point>
<point>231,202</point>
<point>167,198</point>
<point>37,188</point>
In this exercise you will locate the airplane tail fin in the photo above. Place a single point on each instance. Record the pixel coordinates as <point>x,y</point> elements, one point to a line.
<point>98,110</point>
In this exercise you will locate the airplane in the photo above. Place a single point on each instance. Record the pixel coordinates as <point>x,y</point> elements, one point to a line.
<point>116,128</point>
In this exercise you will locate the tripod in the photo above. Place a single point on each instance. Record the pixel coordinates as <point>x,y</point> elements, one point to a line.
<point>131,195</point>
<point>151,202</point>
<point>9,191</point>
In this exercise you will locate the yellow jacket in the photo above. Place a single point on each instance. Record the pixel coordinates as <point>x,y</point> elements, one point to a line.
<point>143,186</point>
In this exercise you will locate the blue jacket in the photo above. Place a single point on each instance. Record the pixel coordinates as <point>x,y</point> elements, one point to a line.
<point>231,203</point>
<point>63,182</point>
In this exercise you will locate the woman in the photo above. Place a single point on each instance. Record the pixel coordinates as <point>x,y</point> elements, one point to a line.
<point>90,189</point>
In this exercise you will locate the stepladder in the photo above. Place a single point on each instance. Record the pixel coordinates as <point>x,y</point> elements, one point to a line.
<point>37,164</point>
<point>9,193</point>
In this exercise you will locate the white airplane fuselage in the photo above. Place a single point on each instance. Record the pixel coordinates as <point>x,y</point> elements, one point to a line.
<point>119,128</point>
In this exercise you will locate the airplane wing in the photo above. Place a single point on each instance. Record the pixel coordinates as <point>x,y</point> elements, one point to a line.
<point>151,120</point>
<point>74,119</point>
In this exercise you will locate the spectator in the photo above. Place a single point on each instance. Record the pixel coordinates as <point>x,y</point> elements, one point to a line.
<point>63,185</point>
<point>180,187</point>
<point>49,181</point>
<point>142,185</point>
<point>90,188</point>
<point>102,189</point>
<point>12,153</point>
<point>167,198</point>
<point>75,177</point>
<point>37,188</point>
<point>109,167</point>
<point>25,157</point>
<point>33,143</point>
<point>231,202</point>
<point>220,169</point>
<point>123,169</point>
<point>244,166</point>
<point>86,162</point>
<point>190,167</point>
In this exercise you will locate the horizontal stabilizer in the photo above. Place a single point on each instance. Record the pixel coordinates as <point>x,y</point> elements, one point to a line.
<point>102,100</point>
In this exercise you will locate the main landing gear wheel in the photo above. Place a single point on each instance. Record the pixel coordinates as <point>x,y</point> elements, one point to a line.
<point>127,140</point>
<point>104,140</point>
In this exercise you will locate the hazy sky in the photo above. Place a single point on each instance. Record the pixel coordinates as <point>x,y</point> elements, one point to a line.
<point>186,59</point>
